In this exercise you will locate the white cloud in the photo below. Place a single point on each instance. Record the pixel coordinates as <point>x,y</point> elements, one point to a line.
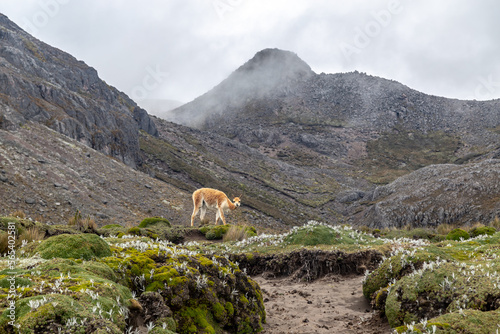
<point>439,47</point>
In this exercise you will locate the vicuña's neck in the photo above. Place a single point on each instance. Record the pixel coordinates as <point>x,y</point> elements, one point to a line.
<point>231,205</point>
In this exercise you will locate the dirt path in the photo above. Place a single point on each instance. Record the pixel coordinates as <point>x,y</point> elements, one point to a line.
<point>333,304</point>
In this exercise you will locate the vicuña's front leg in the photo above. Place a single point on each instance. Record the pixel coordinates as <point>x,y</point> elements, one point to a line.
<point>221,215</point>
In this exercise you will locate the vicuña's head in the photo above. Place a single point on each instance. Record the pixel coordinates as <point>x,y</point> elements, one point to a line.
<point>237,201</point>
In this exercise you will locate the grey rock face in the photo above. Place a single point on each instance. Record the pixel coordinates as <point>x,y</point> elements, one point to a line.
<point>437,194</point>
<point>43,84</point>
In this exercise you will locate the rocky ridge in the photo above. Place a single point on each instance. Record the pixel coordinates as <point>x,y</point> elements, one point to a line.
<point>438,194</point>
<point>44,84</point>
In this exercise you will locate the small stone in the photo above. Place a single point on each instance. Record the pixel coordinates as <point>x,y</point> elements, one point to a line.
<point>3,178</point>
<point>30,201</point>
<point>57,185</point>
<point>147,186</point>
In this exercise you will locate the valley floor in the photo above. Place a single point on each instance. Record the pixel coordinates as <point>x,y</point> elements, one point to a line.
<point>333,304</point>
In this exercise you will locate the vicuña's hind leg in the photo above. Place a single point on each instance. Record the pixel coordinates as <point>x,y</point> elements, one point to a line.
<point>193,216</point>
<point>217,217</point>
<point>203,210</point>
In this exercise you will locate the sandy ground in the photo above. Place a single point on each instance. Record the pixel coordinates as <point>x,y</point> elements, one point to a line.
<point>333,304</point>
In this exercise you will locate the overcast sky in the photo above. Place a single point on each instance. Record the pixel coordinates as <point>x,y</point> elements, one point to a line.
<point>179,49</point>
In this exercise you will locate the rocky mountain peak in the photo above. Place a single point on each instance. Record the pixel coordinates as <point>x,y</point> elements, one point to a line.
<point>279,63</point>
<point>270,73</point>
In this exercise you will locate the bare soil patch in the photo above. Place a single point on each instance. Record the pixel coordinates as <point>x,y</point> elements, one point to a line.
<point>332,304</point>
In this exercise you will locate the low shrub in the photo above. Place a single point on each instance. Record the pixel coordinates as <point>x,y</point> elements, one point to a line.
<point>83,224</point>
<point>239,233</point>
<point>495,223</point>
<point>444,229</point>
<point>31,234</point>
<point>4,242</point>
<point>18,214</point>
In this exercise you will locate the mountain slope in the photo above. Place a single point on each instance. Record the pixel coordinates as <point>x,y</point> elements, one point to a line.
<point>335,115</point>
<point>50,176</point>
<point>43,84</point>
<point>342,135</point>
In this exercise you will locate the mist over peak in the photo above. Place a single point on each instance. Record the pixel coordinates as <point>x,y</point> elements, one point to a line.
<point>284,64</point>
<point>269,73</point>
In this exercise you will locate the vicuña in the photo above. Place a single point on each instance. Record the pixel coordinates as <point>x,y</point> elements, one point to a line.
<point>211,198</point>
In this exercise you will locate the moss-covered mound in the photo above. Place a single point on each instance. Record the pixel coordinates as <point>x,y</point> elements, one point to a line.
<point>453,286</point>
<point>214,232</point>
<point>111,226</point>
<point>112,230</point>
<point>482,230</point>
<point>315,233</point>
<point>159,228</point>
<point>203,294</point>
<point>142,282</point>
<point>154,221</point>
<point>457,234</point>
<point>62,295</point>
<point>218,232</point>
<point>400,263</point>
<point>77,246</point>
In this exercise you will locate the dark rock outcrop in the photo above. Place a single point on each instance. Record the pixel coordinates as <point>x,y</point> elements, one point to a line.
<point>437,194</point>
<point>46,85</point>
